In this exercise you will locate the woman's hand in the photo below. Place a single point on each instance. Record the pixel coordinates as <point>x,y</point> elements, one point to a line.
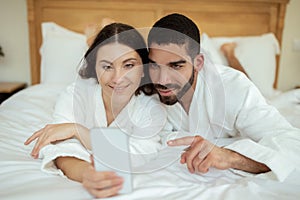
<point>57,132</point>
<point>101,184</point>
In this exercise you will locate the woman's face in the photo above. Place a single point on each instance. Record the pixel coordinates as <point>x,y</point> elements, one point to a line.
<point>119,70</point>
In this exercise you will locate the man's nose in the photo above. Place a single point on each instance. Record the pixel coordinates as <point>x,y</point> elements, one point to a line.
<point>164,76</point>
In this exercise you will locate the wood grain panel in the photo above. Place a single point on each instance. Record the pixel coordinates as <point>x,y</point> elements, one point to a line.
<point>215,17</point>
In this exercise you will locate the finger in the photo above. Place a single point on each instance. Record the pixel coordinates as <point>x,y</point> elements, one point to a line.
<point>34,151</point>
<point>183,158</point>
<point>196,162</point>
<point>204,166</point>
<point>41,142</point>
<point>95,176</point>
<point>193,153</point>
<point>188,140</point>
<point>103,184</point>
<point>33,137</point>
<point>105,192</point>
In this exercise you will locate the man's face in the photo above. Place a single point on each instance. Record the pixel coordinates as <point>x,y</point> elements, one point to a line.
<point>171,71</point>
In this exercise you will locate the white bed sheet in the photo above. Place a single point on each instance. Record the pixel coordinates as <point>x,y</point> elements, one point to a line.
<point>288,104</point>
<point>21,177</point>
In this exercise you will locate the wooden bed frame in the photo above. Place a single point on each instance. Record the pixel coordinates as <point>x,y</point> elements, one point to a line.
<point>215,17</point>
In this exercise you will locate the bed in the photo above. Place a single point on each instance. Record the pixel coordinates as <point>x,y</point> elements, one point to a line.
<point>52,69</point>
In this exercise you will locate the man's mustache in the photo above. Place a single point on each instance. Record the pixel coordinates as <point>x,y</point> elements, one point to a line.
<point>167,86</point>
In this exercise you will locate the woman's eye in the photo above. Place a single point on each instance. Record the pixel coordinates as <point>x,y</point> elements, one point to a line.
<point>106,67</point>
<point>129,65</point>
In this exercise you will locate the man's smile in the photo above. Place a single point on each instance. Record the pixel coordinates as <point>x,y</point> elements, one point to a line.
<point>166,92</point>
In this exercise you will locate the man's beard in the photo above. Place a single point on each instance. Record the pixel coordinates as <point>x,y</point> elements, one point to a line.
<point>172,99</point>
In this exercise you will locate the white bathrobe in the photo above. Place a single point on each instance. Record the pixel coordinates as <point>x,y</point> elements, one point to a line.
<point>228,110</point>
<point>143,117</point>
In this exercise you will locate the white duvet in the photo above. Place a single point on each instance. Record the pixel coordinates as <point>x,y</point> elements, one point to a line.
<point>21,177</point>
<point>288,104</point>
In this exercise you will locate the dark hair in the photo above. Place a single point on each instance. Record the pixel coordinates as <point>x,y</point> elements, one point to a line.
<point>178,29</point>
<point>115,32</point>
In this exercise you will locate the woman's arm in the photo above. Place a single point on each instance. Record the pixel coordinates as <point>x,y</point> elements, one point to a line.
<point>228,51</point>
<point>99,184</point>
<point>72,167</point>
<point>59,132</point>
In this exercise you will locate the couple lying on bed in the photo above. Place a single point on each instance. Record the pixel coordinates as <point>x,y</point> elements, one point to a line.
<point>121,85</point>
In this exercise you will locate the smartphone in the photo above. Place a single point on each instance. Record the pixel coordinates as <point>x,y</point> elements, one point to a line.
<point>110,147</point>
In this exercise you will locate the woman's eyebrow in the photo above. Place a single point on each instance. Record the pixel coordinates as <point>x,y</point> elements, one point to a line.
<point>105,61</point>
<point>129,59</point>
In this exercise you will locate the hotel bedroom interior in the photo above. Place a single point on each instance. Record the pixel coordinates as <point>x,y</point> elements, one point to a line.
<point>38,37</point>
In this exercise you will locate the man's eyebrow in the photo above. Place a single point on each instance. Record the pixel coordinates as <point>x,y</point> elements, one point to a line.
<point>171,63</point>
<point>177,62</point>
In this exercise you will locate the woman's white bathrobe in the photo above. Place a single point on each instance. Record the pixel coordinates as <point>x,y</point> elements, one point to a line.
<point>228,110</point>
<point>143,117</point>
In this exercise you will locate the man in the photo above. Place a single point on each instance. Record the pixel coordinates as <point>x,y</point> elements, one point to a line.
<point>228,123</point>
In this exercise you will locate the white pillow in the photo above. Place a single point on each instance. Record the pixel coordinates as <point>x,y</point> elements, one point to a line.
<point>61,53</point>
<point>257,54</point>
<point>208,48</point>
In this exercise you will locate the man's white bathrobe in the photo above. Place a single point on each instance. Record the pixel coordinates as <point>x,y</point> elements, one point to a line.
<point>144,118</point>
<point>228,110</point>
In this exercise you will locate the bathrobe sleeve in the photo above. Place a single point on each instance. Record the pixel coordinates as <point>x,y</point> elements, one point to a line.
<point>270,139</point>
<point>69,108</point>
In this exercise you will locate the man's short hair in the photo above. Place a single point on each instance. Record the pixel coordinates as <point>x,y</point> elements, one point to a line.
<point>176,29</point>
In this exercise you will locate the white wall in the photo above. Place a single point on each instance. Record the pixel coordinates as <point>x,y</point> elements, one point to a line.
<point>15,66</point>
<point>289,71</point>
<point>14,41</point>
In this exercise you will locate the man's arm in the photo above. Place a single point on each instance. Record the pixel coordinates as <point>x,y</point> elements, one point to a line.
<point>201,155</point>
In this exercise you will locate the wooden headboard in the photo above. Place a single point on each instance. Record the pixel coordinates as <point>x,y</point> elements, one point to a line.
<point>215,17</point>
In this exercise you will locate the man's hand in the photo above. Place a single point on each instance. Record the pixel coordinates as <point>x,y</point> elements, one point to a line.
<point>201,155</point>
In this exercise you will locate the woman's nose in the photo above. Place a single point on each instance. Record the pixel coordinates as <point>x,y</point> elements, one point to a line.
<point>117,76</point>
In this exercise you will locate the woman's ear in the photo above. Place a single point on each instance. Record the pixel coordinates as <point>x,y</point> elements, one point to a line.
<point>198,62</point>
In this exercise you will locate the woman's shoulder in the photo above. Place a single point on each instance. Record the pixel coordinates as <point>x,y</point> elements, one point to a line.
<point>85,83</point>
<point>81,85</point>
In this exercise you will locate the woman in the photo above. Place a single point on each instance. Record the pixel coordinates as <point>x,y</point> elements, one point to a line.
<point>108,95</point>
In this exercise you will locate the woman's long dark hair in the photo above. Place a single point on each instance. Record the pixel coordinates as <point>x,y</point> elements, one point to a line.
<point>115,33</point>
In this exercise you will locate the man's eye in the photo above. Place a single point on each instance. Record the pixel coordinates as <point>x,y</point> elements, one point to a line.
<point>177,66</point>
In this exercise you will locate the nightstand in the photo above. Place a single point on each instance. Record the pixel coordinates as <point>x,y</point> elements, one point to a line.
<point>7,89</point>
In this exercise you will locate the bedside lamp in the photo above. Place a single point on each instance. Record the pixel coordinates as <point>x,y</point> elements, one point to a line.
<point>1,52</point>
